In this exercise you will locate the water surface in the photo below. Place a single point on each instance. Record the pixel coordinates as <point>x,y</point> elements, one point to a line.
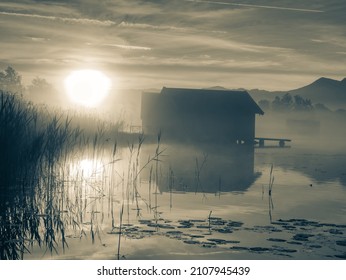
<point>184,202</point>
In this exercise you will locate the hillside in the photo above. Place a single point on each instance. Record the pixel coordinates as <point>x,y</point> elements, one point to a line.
<point>329,92</point>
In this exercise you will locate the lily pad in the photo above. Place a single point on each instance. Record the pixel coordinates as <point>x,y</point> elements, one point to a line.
<point>285,250</point>
<point>208,244</point>
<point>343,256</point>
<point>203,226</point>
<point>335,231</point>
<point>225,230</point>
<point>192,242</point>
<point>302,237</point>
<point>218,241</point>
<point>260,249</point>
<point>145,221</point>
<point>174,232</point>
<point>234,224</point>
<point>341,242</point>
<point>239,248</point>
<point>276,240</point>
<point>232,241</point>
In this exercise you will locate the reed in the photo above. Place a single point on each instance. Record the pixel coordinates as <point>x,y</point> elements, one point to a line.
<point>198,169</point>
<point>270,189</point>
<point>171,183</point>
<point>209,221</point>
<point>46,196</point>
<point>35,147</point>
<point>120,230</point>
<point>28,150</point>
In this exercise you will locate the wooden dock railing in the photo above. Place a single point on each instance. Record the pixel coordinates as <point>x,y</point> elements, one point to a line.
<point>281,141</point>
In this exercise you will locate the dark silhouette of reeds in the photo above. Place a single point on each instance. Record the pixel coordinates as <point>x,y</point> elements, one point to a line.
<point>28,151</point>
<point>46,196</point>
<point>270,189</point>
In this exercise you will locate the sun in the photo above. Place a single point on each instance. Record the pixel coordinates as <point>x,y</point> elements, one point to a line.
<point>87,87</point>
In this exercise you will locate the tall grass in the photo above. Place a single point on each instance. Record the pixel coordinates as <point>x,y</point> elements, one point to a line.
<point>46,196</point>
<point>270,190</point>
<point>28,151</point>
<point>120,230</point>
<point>36,205</point>
<point>198,169</point>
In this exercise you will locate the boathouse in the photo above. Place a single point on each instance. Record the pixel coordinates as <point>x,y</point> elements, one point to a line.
<point>200,115</point>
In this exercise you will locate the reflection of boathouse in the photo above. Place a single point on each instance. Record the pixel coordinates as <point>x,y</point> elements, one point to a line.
<point>200,115</point>
<point>198,168</point>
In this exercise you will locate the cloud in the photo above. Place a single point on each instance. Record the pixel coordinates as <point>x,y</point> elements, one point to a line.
<point>256,6</point>
<point>37,39</point>
<point>151,26</point>
<point>86,21</point>
<point>128,47</point>
<point>189,43</point>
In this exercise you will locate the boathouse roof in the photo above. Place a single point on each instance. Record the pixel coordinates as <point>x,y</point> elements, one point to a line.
<point>202,101</point>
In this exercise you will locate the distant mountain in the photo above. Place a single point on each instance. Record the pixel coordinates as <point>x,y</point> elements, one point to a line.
<point>259,94</point>
<point>218,88</point>
<point>329,92</point>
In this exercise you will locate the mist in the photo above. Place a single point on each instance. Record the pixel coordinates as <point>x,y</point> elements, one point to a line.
<point>312,130</point>
<point>192,130</point>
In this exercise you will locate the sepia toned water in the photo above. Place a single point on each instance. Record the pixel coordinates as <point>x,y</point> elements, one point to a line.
<point>186,202</point>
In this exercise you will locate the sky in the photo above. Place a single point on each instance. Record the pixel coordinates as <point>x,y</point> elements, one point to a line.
<point>265,44</point>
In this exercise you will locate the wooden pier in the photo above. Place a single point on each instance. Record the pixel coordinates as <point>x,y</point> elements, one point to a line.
<point>281,141</point>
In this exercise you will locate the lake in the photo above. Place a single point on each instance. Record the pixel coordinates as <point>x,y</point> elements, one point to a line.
<point>180,201</point>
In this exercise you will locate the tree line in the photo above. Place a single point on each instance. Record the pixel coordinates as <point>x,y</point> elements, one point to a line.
<point>289,103</point>
<point>11,81</point>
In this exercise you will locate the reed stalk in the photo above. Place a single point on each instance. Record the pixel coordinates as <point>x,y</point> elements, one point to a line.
<point>120,230</point>
<point>270,189</point>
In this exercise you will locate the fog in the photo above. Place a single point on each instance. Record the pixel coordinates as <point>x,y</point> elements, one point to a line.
<point>312,130</point>
<point>320,131</point>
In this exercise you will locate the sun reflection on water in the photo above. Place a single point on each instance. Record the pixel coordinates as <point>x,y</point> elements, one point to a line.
<point>87,169</point>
